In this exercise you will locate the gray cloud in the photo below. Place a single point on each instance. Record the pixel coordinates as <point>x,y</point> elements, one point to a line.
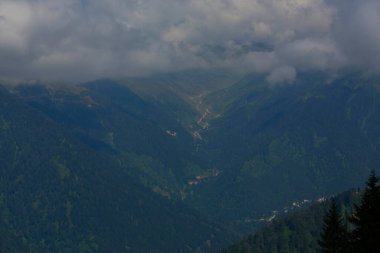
<point>357,33</point>
<point>282,75</point>
<point>74,40</point>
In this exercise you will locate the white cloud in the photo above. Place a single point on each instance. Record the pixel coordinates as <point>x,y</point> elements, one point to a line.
<point>79,40</point>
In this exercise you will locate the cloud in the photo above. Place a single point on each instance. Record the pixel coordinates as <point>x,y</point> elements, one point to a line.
<point>312,53</point>
<point>70,40</point>
<point>357,33</point>
<point>282,75</point>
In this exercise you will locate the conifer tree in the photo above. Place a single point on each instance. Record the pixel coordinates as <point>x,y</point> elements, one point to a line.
<point>334,234</point>
<point>366,218</point>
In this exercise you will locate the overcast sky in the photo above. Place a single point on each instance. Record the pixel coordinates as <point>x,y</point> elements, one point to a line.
<point>77,40</point>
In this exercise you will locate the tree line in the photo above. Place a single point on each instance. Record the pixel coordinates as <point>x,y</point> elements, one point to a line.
<point>358,232</point>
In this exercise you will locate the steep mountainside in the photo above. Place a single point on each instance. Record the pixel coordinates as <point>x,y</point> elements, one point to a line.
<point>297,233</point>
<point>58,194</point>
<point>182,94</point>
<point>110,118</point>
<point>234,155</point>
<point>276,145</point>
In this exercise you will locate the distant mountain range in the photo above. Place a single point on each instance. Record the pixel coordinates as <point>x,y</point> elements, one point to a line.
<point>175,163</point>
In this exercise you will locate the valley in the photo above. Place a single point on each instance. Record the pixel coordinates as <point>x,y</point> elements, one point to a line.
<point>192,126</point>
<point>217,161</point>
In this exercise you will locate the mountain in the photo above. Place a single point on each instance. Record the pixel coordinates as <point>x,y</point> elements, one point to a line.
<point>277,145</point>
<point>59,194</point>
<point>297,232</point>
<point>110,118</point>
<point>181,94</point>
<point>202,155</point>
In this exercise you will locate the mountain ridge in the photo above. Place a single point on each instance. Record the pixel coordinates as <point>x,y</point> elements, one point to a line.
<point>259,149</point>
<point>54,200</point>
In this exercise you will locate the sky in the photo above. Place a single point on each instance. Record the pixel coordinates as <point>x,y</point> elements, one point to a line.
<point>79,40</point>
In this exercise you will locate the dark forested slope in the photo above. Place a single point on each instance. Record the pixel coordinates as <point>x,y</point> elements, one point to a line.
<point>59,195</point>
<point>298,232</point>
<point>276,145</point>
<point>108,117</point>
<point>254,148</point>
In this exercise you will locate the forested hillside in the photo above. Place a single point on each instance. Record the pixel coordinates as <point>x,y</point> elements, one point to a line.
<point>298,232</point>
<point>276,145</point>
<point>107,149</point>
<point>347,223</point>
<point>58,194</point>
<point>182,126</point>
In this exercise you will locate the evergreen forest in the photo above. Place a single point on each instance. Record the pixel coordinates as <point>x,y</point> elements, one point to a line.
<point>346,223</point>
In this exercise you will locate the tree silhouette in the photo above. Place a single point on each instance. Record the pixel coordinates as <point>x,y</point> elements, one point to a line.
<point>366,218</point>
<point>334,234</point>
